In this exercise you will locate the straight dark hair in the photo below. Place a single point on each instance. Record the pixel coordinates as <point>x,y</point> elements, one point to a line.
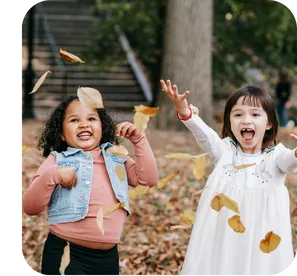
<point>253,96</point>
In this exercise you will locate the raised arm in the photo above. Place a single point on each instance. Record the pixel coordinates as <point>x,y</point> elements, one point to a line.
<point>206,137</point>
<point>144,170</point>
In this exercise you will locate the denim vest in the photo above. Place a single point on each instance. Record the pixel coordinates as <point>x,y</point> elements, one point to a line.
<point>72,205</point>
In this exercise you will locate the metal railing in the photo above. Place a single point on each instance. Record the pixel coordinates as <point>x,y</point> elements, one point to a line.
<point>42,19</point>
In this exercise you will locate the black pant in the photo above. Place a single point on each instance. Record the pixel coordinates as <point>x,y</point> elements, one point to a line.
<point>83,260</point>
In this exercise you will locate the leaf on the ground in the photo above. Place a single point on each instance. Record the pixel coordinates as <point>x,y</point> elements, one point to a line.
<point>236,224</point>
<point>99,220</point>
<point>69,57</point>
<point>118,150</point>
<point>147,110</point>
<point>166,179</point>
<point>138,190</point>
<point>113,208</point>
<point>270,243</point>
<point>40,82</point>
<point>178,155</point>
<point>140,120</point>
<point>90,97</point>
<point>200,191</point>
<point>199,166</point>
<point>120,172</point>
<point>26,149</point>
<point>243,166</point>
<point>221,200</point>
<point>177,227</point>
<point>188,217</point>
<point>65,260</point>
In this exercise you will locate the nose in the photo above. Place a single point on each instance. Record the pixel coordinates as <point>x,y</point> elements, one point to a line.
<point>84,124</point>
<point>246,119</point>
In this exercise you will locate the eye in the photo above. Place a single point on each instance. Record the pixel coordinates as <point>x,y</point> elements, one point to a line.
<point>237,115</point>
<point>73,120</point>
<point>92,119</point>
<point>256,114</point>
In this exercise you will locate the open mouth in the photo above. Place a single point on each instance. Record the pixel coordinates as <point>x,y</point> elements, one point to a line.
<point>247,134</point>
<point>85,135</point>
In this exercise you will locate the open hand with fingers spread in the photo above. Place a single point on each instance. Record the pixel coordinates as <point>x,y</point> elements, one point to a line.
<point>126,130</point>
<point>178,100</point>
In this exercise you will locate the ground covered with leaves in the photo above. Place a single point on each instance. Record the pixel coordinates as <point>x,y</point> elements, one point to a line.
<point>148,245</point>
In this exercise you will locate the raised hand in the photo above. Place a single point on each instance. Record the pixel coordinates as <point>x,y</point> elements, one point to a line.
<point>68,177</point>
<point>126,130</point>
<point>178,100</point>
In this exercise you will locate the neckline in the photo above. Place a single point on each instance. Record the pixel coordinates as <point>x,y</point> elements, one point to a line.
<point>258,153</point>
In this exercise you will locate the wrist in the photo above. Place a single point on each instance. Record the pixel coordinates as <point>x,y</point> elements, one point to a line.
<point>185,114</point>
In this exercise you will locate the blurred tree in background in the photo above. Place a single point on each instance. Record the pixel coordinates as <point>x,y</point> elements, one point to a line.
<point>246,34</point>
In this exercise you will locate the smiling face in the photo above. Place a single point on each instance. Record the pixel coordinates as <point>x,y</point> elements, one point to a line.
<point>81,127</point>
<point>249,124</point>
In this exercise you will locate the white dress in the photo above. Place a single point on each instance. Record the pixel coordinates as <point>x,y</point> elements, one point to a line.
<point>263,203</point>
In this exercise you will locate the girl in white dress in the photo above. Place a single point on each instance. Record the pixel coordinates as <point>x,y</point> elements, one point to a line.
<point>243,219</point>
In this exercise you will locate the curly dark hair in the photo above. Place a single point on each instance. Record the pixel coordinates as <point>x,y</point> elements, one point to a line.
<point>51,137</point>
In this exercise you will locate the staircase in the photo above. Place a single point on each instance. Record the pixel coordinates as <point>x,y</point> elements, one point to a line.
<point>69,23</point>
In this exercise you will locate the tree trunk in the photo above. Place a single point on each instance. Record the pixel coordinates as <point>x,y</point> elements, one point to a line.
<point>187,59</point>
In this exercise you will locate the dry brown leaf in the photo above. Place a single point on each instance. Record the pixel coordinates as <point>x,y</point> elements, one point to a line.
<point>200,191</point>
<point>147,110</point>
<point>270,243</point>
<point>40,82</point>
<point>178,155</point>
<point>69,57</point>
<point>236,224</point>
<point>26,149</point>
<point>188,217</point>
<point>221,200</point>
<point>65,260</point>
<point>99,220</point>
<point>113,208</point>
<point>90,97</point>
<point>199,166</point>
<point>119,150</point>
<point>138,190</point>
<point>165,180</point>
<point>243,166</point>
<point>120,172</point>
<point>140,120</point>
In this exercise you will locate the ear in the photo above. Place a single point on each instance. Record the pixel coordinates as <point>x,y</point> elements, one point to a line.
<point>268,126</point>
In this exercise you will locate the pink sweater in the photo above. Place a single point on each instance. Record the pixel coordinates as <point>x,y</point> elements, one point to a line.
<point>142,171</point>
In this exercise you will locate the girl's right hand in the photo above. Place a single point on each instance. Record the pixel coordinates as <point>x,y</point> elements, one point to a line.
<point>68,177</point>
<point>178,100</point>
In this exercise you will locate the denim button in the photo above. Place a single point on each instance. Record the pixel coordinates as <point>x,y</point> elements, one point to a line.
<point>87,182</point>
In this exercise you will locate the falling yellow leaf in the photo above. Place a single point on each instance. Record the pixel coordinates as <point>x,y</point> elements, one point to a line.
<point>118,150</point>
<point>147,110</point>
<point>188,217</point>
<point>99,220</point>
<point>199,166</point>
<point>138,190</point>
<point>69,57</point>
<point>270,242</point>
<point>140,120</point>
<point>175,227</point>
<point>221,200</point>
<point>65,260</point>
<point>40,82</point>
<point>120,172</point>
<point>216,203</point>
<point>200,191</point>
<point>236,224</point>
<point>194,109</point>
<point>90,97</point>
<point>113,208</point>
<point>178,155</point>
<point>243,166</point>
<point>165,180</point>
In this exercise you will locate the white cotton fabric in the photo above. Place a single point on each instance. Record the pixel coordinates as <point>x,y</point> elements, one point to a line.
<point>263,202</point>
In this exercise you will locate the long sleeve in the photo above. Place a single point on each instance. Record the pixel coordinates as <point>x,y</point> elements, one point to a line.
<point>144,170</point>
<point>286,159</point>
<point>37,196</point>
<point>206,137</point>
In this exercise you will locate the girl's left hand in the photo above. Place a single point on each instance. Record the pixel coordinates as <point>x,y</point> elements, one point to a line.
<point>126,130</point>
